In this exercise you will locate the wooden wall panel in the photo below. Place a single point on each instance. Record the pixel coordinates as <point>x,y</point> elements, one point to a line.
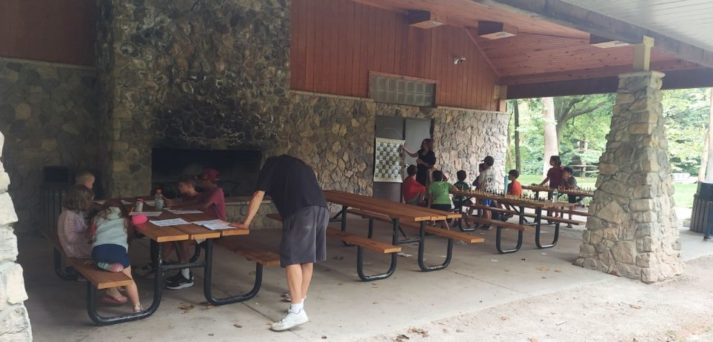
<point>60,31</point>
<point>336,43</point>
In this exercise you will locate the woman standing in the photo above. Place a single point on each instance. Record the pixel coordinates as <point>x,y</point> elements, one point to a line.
<point>425,161</point>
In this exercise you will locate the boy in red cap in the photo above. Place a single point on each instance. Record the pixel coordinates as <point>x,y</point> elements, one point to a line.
<point>212,201</point>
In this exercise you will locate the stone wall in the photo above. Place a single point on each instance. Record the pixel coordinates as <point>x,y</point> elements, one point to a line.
<point>14,321</point>
<point>48,112</point>
<point>633,231</point>
<point>215,74</point>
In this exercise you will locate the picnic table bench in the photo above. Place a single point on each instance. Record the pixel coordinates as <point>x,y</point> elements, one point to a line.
<point>401,216</point>
<point>159,236</point>
<point>521,203</point>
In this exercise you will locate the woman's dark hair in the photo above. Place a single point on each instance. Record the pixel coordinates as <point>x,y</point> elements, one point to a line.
<point>437,176</point>
<point>411,170</point>
<point>427,142</point>
<point>556,160</point>
<point>489,160</point>
<point>461,175</point>
<point>78,198</point>
<point>568,170</point>
<point>514,173</point>
<point>191,180</point>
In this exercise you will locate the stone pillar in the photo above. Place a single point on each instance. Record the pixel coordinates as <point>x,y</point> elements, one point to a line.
<point>633,230</point>
<point>14,322</point>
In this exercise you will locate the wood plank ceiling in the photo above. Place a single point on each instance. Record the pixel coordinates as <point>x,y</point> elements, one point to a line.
<point>542,51</point>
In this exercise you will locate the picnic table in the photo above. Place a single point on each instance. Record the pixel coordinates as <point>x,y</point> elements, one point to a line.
<point>521,203</point>
<point>536,189</point>
<point>401,216</point>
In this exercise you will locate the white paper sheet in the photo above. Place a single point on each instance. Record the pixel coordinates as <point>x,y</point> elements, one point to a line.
<point>169,222</point>
<point>214,224</point>
<point>151,203</point>
<point>184,212</point>
<point>100,202</point>
<point>125,202</point>
<point>147,213</point>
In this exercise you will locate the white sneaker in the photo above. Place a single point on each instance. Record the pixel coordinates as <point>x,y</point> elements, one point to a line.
<point>290,321</point>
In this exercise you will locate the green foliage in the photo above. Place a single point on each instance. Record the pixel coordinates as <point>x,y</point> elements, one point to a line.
<point>588,118</point>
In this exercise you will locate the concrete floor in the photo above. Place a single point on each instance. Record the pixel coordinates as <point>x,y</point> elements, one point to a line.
<point>340,307</point>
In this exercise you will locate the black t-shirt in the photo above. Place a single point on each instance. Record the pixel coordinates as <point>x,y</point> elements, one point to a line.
<point>422,170</point>
<point>291,183</point>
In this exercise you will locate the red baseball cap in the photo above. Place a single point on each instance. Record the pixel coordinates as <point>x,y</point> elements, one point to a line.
<point>210,174</point>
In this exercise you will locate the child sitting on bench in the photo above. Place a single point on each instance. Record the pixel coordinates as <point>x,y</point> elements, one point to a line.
<point>109,233</point>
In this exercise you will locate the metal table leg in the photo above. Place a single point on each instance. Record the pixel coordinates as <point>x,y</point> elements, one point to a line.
<point>421,252</point>
<point>158,287</point>
<point>538,218</point>
<point>394,256</point>
<point>208,281</point>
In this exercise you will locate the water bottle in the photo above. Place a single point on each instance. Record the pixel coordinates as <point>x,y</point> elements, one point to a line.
<point>158,200</point>
<point>139,205</point>
<point>555,194</point>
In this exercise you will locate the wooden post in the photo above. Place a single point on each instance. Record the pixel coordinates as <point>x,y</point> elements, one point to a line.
<point>500,94</point>
<point>642,54</point>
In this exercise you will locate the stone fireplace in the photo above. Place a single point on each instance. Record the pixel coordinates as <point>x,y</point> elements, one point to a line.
<point>238,168</point>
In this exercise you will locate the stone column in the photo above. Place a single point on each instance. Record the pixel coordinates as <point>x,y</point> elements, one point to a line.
<point>14,322</point>
<point>633,230</point>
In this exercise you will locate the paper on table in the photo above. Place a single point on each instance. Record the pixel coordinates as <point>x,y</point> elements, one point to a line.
<point>125,202</point>
<point>146,213</point>
<point>214,224</point>
<point>100,202</point>
<point>151,203</point>
<point>183,212</point>
<point>169,222</point>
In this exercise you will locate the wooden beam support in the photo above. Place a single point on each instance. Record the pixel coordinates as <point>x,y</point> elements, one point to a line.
<point>677,79</point>
<point>423,19</point>
<point>472,36</point>
<point>500,94</point>
<point>642,54</point>
<point>601,25</point>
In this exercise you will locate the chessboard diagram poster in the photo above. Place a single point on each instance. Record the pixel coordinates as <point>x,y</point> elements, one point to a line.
<point>387,160</point>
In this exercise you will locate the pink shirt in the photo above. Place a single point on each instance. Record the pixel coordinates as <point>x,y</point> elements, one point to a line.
<point>215,200</point>
<point>72,234</point>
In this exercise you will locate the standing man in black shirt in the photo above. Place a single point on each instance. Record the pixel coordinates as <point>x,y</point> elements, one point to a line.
<point>426,160</point>
<point>293,187</point>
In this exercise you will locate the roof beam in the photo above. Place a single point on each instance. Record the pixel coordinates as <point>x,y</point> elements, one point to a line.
<point>604,26</point>
<point>677,79</point>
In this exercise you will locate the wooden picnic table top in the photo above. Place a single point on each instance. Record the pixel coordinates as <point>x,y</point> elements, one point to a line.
<point>184,232</point>
<point>518,201</point>
<point>542,188</point>
<point>390,208</point>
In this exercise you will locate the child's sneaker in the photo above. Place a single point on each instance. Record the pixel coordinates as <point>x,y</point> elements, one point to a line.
<point>179,282</point>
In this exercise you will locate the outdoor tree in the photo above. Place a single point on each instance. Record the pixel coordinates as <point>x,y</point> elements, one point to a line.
<point>551,147</point>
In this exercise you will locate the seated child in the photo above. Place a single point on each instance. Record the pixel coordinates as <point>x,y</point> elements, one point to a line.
<point>459,201</point>
<point>212,201</point>
<point>554,174</point>
<point>570,183</point>
<point>109,233</point>
<point>72,225</point>
<point>439,194</point>
<point>514,189</point>
<point>413,191</point>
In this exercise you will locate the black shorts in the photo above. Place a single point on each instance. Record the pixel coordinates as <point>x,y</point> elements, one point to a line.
<point>304,236</point>
<point>444,207</point>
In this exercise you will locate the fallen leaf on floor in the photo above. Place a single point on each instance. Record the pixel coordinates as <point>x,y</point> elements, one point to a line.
<point>532,339</point>
<point>523,259</point>
<point>324,337</point>
<point>560,323</point>
<point>419,331</point>
<point>558,271</point>
<point>633,306</point>
<point>445,331</point>
<point>405,255</point>
<point>185,307</point>
<point>238,326</point>
<point>375,303</point>
<point>459,331</point>
<point>544,253</point>
<point>503,318</point>
<point>401,338</point>
<point>211,334</point>
<point>543,269</point>
<point>493,260</point>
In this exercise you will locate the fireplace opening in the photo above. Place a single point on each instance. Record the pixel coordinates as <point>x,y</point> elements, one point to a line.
<point>238,168</point>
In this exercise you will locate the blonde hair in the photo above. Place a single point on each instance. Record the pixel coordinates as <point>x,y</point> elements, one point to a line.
<point>83,177</point>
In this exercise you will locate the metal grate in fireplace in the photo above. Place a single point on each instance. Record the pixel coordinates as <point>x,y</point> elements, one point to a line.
<point>238,168</point>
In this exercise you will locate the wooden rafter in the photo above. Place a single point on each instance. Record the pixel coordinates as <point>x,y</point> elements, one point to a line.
<point>471,36</point>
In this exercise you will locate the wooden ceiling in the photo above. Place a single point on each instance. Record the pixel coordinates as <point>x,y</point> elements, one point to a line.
<point>542,51</point>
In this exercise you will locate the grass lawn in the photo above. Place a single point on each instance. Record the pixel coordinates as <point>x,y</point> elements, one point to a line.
<point>683,196</point>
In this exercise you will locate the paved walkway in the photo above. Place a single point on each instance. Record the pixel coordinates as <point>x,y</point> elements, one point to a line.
<point>530,283</point>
